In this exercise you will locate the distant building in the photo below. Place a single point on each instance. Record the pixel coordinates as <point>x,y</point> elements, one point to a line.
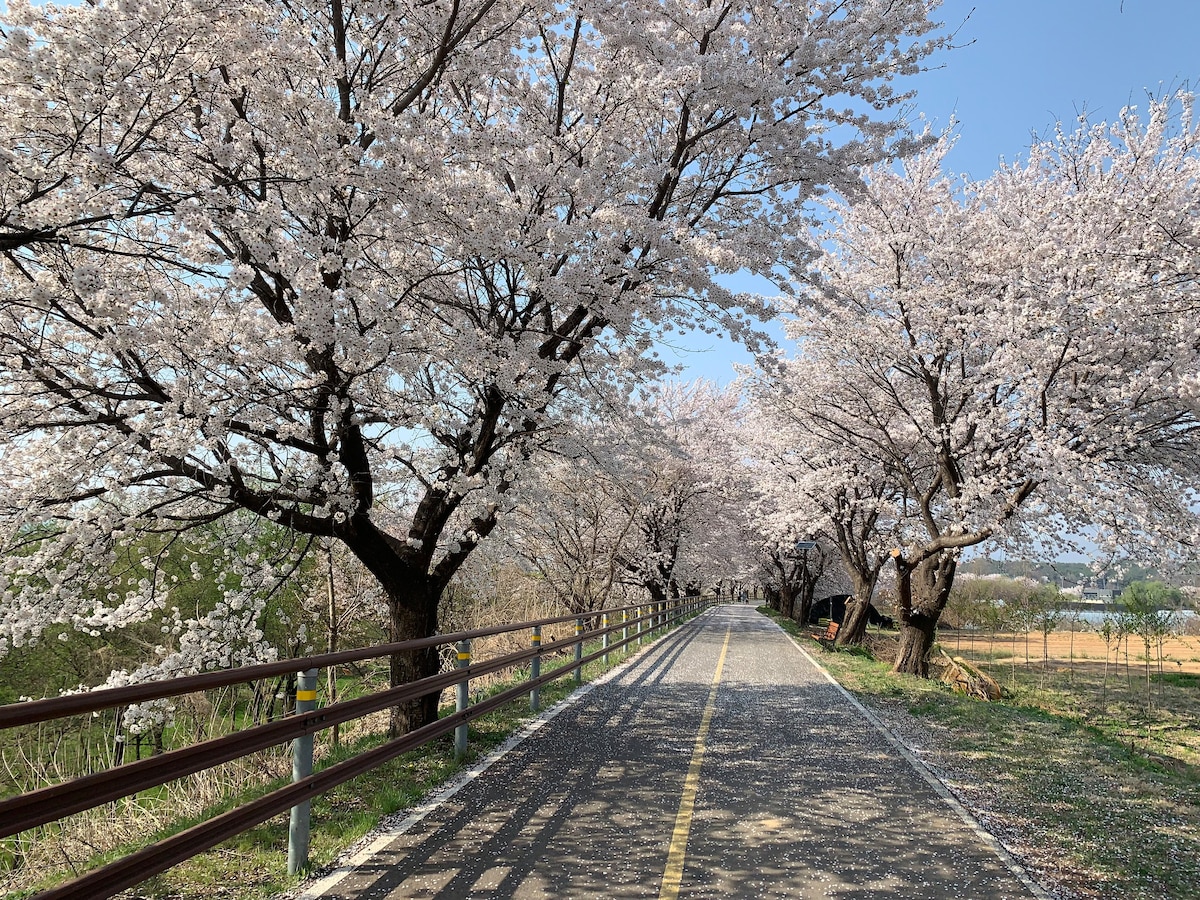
<point>1098,595</point>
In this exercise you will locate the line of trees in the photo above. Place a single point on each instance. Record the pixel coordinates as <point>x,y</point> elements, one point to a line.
<point>384,277</point>
<point>361,270</point>
<point>1148,612</point>
<point>1010,361</point>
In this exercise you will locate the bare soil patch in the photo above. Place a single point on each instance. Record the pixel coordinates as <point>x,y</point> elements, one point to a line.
<point>1180,654</point>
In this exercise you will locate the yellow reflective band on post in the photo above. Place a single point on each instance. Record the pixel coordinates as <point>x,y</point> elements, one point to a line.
<point>464,656</point>
<point>306,695</point>
<point>537,638</point>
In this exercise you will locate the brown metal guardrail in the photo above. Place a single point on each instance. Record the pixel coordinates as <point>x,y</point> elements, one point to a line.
<point>46,805</point>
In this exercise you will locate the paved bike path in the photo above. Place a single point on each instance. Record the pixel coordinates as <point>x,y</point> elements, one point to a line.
<point>769,781</point>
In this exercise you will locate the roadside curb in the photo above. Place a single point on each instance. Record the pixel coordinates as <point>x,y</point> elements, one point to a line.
<point>939,787</point>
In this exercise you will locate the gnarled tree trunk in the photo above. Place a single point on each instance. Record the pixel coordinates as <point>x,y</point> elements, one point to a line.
<point>916,640</point>
<point>924,590</point>
<point>854,625</point>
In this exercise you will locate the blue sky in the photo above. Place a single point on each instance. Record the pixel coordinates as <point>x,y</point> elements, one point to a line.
<point>1035,62</point>
<point>1022,66</point>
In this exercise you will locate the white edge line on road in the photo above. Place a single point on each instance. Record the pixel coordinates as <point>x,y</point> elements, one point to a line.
<point>934,782</point>
<point>378,842</point>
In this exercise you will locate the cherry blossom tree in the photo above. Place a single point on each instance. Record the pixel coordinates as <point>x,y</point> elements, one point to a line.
<point>808,484</point>
<point>791,577</point>
<point>1019,355</point>
<point>665,469</point>
<point>346,267</point>
<point>573,529</point>
<point>646,503</point>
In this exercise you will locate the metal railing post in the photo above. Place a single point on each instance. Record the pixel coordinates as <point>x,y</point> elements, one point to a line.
<point>578,650</point>
<point>624,630</point>
<point>302,766</point>
<point>535,670</point>
<point>604,625</point>
<point>462,699</point>
<point>638,616</point>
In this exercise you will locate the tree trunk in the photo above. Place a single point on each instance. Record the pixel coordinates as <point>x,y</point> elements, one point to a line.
<point>119,738</point>
<point>658,593</point>
<point>774,598</point>
<point>924,591</point>
<point>787,600</point>
<point>916,640</point>
<point>413,593</point>
<point>854,626</point>
<point>804,608</point>
<point>331,645</point>
<point>412,609</point>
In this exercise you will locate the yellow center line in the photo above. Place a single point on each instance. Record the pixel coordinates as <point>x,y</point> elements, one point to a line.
<point>673,875</point>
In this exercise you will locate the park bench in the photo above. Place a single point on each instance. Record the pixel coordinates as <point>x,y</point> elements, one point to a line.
<point>827,639</point>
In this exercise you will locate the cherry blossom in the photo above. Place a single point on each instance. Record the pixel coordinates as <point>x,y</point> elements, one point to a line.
<point>1018,355</point>
<point>337,265</point>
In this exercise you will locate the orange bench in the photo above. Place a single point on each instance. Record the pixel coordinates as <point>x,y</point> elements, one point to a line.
<point>829,637</point>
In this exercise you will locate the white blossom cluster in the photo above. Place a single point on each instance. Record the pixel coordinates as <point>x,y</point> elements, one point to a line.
<point>1007,360</point>
<point>648,504</point>
<point>348,267</point>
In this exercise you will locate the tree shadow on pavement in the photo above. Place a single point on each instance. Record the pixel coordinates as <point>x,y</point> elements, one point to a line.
<point>799,797</point>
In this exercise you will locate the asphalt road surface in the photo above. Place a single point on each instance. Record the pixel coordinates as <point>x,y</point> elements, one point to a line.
<point>720,763</point>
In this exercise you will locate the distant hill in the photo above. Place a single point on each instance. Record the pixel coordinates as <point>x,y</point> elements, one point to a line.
<point>1065,573</point>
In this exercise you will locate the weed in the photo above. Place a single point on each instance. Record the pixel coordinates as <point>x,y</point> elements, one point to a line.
<point>1179,679</point>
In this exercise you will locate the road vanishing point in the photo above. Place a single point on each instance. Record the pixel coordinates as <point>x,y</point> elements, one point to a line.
<point>721,762</point>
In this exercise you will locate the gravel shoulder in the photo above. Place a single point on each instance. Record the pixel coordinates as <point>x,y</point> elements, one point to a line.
<point>1002,813</point>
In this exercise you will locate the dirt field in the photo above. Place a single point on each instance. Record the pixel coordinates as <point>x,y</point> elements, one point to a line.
<point>1180,654</point>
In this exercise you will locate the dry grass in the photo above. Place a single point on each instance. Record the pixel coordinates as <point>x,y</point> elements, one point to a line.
<point>74,844</point>
<point>253,864</point>
<point>1180,653</point>
<point>1158,717</point>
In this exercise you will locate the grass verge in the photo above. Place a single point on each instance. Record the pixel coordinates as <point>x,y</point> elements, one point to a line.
<point>1090,814</point>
